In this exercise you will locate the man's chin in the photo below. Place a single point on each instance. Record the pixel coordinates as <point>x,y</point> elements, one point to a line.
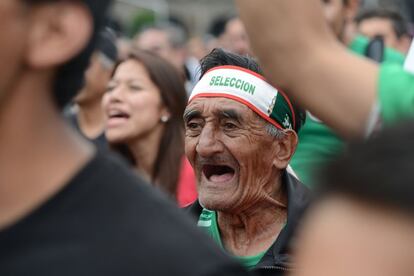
<point>216,197</point>
<point>221,204</point>
<point>211,204</point>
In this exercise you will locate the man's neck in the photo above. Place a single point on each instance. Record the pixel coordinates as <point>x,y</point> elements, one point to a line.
<point>39,153</point>
<point>91,118</point>
<point>253,231</point>
<point>348,35</point>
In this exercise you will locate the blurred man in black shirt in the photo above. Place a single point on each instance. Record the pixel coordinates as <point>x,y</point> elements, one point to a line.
<point>65,209</point>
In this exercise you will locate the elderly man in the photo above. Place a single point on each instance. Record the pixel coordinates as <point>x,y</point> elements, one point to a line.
<point>240,137</point>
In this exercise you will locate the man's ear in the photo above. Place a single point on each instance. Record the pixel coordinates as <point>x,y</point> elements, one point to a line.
<point>285,148</point>
<point>59,31</point>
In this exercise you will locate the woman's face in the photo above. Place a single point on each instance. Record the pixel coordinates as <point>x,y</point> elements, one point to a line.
<point>132,104</point>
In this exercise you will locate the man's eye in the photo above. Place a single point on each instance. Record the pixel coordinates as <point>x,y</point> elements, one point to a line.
<point>229,126</point>
<point>192,125</point>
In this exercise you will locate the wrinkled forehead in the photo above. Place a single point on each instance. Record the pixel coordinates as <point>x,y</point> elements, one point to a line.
<point>217,106</point>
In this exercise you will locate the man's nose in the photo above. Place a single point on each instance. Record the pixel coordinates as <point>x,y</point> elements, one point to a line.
<point>208,144</point>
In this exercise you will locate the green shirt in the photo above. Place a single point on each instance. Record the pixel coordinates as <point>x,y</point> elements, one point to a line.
<point>360,44</point>
<point>396,93</point>
<point>318,144</point>
<point>208,221</point>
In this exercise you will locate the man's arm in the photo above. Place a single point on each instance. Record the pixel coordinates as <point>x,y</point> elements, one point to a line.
<point>300,55</point>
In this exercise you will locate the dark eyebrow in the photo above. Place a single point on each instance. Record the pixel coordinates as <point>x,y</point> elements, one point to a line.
<point>191,114</point>
<point>230,114</point>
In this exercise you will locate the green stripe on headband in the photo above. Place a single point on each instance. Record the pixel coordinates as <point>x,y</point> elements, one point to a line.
<point>281,112</point>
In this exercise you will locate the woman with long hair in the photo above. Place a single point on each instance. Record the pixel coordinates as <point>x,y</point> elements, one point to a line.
<point>144,105</point>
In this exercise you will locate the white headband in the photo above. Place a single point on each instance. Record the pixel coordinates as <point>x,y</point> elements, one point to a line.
<point>248,88</point>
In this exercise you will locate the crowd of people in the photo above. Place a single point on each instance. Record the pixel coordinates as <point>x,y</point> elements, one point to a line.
<point>280,143</point>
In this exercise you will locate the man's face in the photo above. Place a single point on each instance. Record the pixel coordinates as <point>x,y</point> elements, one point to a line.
<point>13,35</point>
<point>335,14</point>
<point>97,77</point>
<point>343,237</point>
<point>236,39</point>
<point>157,42</point>
<point>231,153</point>
<point>379,27</point>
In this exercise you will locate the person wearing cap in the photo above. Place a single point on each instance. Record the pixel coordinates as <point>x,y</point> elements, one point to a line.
<point>65,208</point>
<point>87,115</point>
<point>240,135</point>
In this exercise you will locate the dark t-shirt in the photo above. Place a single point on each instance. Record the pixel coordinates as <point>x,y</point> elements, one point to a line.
<point>106,221</point>
<point>100,142</point>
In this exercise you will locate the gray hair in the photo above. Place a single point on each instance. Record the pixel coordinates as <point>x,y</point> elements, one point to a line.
<point>274,131</point>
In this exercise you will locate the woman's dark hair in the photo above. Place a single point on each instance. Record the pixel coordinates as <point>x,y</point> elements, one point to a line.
<point>220,57</point>
<point>168,80</point>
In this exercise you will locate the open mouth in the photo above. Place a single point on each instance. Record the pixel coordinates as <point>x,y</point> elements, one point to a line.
<point>118,115</point>
<point>218,173</point>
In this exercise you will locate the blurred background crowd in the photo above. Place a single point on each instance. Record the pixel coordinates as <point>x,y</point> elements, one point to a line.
<point>176,91</point>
